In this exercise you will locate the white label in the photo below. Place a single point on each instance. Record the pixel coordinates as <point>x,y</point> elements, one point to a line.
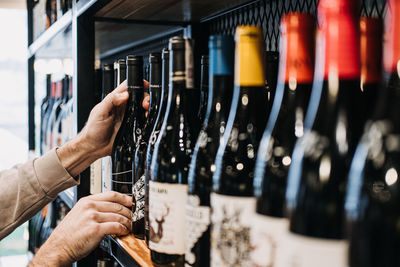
<point>230,237</point>
<point>302,251</point>
<point>106,174</point>
<point>95,177</point>
<point>167,217</point>
<point>197,222</point>
<point>267,235</point>
<point>138,192</point>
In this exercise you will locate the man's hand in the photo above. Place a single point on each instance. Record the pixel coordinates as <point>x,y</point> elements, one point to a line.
<point>83,228</point>
<point>97,137</point>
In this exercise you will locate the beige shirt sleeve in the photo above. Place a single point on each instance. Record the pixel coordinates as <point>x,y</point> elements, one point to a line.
<point>27,188</point>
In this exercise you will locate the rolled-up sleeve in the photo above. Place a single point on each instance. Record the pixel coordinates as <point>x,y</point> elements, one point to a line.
<point>26,188</point>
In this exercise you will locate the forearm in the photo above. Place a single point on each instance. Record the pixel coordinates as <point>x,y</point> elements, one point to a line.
<point>51,254</point>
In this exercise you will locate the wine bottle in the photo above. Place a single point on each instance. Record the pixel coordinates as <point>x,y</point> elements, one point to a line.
<point>154,136</point>
<point>138,190</point>
<point>321,159</point>
<point>107,87</point>
<point>130,130</point>
<point>371,61</point>
<point>202,166</point>
<point>57,130</point>
<point>171,160</point>
<point>46,104</point>
<point>203,88</point>
<point>271,74</point>
<point>54,114</point>
<point>232,200</point>
<point>285,125</point>
<point>373,192</point>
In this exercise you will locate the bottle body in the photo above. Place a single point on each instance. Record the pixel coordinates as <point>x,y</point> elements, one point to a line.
<point>130,130</point>
<point>198,211</point>
<point>321,158</point>
<point>154,136</point>
<point>138,189</point>
<point>232,200</point>
<point>171,159</point>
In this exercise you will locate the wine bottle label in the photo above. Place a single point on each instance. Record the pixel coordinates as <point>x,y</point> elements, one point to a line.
<point>95,177</point>
<point>230,232</point>
<point>197,222</point>
<point>267,235</point>
<point>167,206</point>
<point>106,174</point>
<point>138,192</point>
<point>302,251</point>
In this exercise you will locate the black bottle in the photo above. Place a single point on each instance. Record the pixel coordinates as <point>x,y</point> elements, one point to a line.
<point>171,159</point>
<point>284,126</point>
<point>203,88</point>
<point>373,191</point>
<point>139,167</point>
<point>232,200</point>
<point>130,130</point>
<point>202,166</point>
<point>321,159</point>
<point>154,136</point>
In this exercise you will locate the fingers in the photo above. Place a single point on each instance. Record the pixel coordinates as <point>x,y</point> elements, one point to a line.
<point>113,196</point>
<point>117,97</point>
<point>146,102</point>
<point>113,217</point>
<point>114,208</point>
<point>113,228</point>
<point>146,85</point>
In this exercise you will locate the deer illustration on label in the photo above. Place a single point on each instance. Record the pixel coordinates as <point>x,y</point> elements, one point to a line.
<point>156,236</point>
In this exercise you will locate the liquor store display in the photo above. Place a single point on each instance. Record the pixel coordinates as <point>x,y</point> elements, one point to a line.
<point>246,156</point>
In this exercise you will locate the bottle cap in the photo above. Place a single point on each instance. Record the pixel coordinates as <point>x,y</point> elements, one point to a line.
<point>298,45</point>
<point>221,47</point>
<point>134,60</point>
<point>154,58</point>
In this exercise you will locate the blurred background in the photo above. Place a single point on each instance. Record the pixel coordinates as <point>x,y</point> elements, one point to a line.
<point>13,112</point>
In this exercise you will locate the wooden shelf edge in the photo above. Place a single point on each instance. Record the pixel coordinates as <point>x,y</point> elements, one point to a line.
<point>127,250</point>
<point>50,33</point>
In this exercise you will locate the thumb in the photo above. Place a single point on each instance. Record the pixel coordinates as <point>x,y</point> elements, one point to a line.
<point>117,97</point>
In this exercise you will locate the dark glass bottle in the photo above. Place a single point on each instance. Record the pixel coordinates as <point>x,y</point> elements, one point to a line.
<point>130,130</point>
<point>373,192</point>
<point>142,144</point>
<point>285,125</point>
<point>46,103</point>
<point>107,87</point>
<point>232,200</point>
<point>371,61</point>
<point>47,107</point>
<point>202,166</point>
<point>171,160</point>
<point>271,74</point>
<point>154,135</point>
<point>333,124</point>
<point>203,88</point>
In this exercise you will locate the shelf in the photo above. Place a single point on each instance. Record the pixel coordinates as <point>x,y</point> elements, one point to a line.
<point>112,38</point>
<point>67,198</point>
<point>166,10</point>
<point>56,30</point>
<point>127,250</point>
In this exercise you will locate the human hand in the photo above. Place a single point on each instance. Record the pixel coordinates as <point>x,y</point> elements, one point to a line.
<point>84,227</point>
<point>97,137</point>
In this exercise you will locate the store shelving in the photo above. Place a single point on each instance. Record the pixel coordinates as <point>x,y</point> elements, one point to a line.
<point>46,39</point>
<point>103,30</point>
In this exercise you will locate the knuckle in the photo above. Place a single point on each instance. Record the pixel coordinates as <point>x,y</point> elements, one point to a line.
<point>93,216</point>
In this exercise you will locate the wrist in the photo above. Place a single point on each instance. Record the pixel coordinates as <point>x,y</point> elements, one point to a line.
<point>75,156</point>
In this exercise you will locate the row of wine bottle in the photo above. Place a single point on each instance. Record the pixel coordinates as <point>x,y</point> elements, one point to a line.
<point>44,222</point>
<point>303,175</point>
<point>56,114</point>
